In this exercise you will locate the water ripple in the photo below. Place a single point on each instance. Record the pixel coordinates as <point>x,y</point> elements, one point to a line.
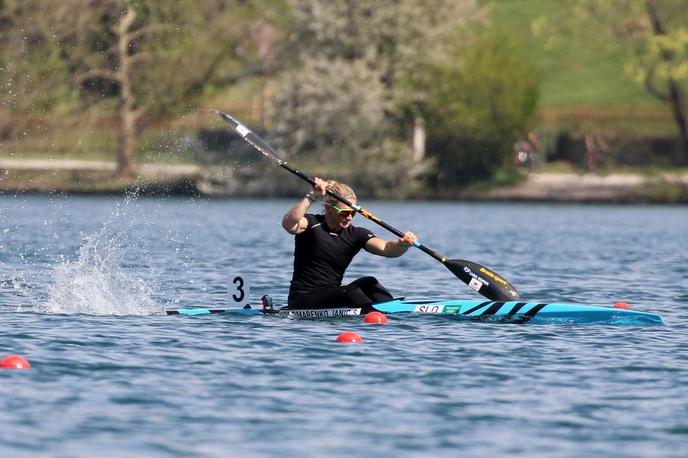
<point>110,372</point>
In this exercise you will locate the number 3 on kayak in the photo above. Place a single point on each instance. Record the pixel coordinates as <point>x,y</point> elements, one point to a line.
<point>238,291</point>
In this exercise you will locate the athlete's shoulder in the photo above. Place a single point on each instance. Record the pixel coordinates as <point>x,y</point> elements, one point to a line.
<point>361,232</point>
<point>313,220</point>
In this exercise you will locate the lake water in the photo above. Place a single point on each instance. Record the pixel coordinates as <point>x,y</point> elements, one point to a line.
<point>85,282</point>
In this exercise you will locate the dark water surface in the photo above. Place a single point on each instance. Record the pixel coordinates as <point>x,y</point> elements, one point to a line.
<point>84,282</point>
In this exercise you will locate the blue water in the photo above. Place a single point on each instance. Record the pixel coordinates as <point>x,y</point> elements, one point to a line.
<point>84,282</point>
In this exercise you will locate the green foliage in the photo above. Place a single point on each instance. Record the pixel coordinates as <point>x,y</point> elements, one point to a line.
<point>25,86</point>
<point>674,44</point>
<point>175,50</point>
<point>478,104</point>
<point>130,60</point>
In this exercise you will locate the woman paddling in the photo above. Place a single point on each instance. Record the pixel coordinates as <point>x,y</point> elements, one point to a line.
<point>326,243</point>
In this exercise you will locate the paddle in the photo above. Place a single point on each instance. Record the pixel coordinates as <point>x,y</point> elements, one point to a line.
<point>477,277</point>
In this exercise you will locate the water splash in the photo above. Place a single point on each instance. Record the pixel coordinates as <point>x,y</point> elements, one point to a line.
<point>96,284</point>
<point>98,281</point>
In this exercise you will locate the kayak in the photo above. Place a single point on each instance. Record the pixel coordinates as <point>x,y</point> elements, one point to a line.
<point>475,310</point>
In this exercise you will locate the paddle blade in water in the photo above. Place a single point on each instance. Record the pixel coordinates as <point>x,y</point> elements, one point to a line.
<point>483,280</point>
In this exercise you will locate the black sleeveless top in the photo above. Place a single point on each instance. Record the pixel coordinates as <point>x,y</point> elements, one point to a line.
<point>321,257</point>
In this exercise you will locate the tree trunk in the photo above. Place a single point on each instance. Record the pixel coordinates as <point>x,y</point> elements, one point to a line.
<point>679,110</point>
<point>676,97</point>
<point>126,140</point>
<point>418,140</point>
<point>128,115</point>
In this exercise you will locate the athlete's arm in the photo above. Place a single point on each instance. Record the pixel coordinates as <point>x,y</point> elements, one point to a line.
<point>391,248</point>
<point>294,220</point>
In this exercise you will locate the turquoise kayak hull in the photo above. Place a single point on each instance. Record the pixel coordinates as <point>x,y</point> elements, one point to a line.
<point>522,312</point>
<point>476,310</point>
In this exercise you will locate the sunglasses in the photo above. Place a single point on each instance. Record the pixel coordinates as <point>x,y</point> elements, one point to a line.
<point>344,212</point>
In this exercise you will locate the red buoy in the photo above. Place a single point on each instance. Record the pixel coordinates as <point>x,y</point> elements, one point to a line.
<point>349,337</point>
<point>375,318</point>
<point>622,305</point>
<point>14,362</point>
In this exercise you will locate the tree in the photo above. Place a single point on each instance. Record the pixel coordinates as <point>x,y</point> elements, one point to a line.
<point>343,98</point>
<point>655,32</point>
<point>151,57</point>
<point>32,76</point>
<point>478,103</point>
<point>662,61</point>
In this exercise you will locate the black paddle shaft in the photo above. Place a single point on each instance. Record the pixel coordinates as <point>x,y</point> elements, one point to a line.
<point>477,277</point>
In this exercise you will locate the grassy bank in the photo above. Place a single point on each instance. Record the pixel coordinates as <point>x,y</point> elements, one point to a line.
<point>587,71</point>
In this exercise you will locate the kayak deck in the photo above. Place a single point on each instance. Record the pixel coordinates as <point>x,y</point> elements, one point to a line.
<point>476,310</point>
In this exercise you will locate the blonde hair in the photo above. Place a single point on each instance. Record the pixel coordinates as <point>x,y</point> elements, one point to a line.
<point>340,188</point>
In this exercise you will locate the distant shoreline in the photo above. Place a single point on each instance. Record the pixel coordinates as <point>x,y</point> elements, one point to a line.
<point>96,177</point>
<point>611,188</point>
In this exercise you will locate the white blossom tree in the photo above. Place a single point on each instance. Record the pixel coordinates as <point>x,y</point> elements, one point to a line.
<point>345,97</point>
